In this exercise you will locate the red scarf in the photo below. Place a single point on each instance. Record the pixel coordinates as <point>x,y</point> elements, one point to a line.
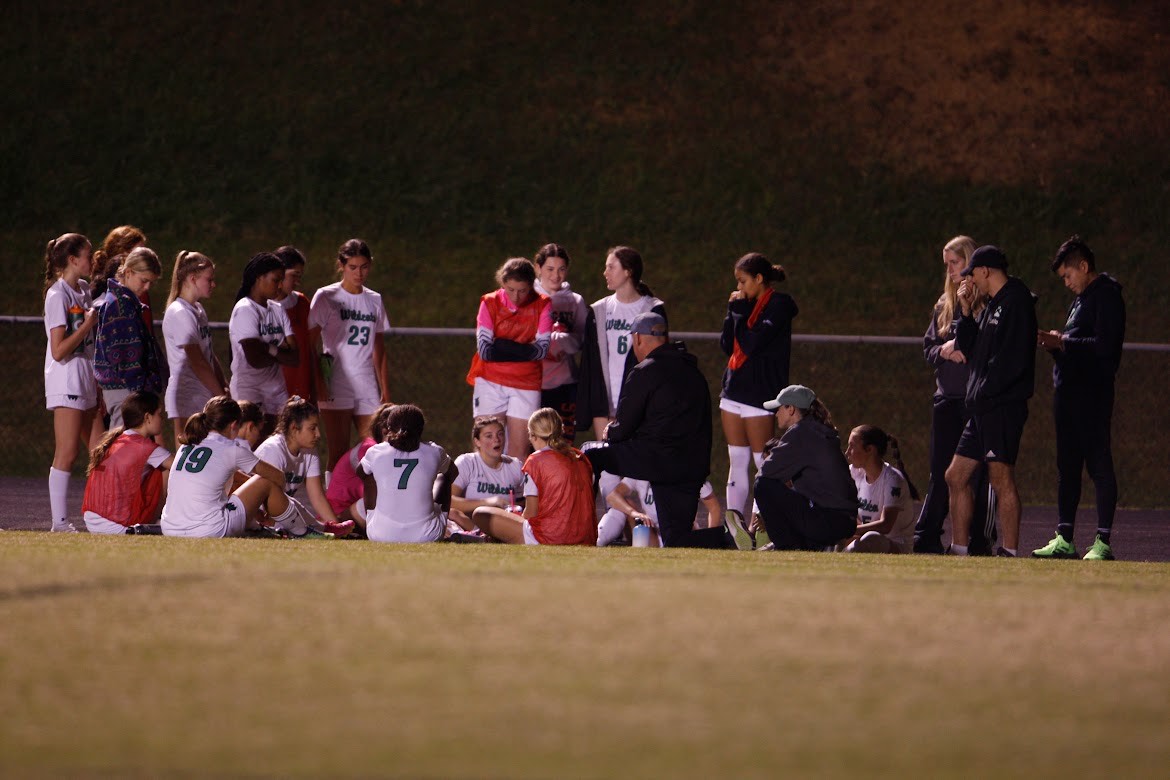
<point>738,356</point>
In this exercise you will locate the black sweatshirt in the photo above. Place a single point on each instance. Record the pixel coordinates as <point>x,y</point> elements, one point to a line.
<point>767,345</point>
<point>1000,349</point>
<point>666,401</point>
<point>1093,336</point>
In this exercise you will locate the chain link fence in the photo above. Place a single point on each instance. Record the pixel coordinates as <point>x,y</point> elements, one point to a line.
<point>882,381</point>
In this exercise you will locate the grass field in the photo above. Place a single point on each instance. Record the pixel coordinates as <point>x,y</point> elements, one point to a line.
<point>146,657</point>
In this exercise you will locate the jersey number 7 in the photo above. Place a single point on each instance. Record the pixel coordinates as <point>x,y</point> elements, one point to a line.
<point>409,463</point>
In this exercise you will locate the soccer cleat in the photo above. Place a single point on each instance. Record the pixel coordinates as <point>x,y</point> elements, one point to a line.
<point>1057,548</point>
<point>1002,553</point>
<point>339,530</point>
<point>63,527</point>
<point>733,519</point>
<point>1100,551</point>
<point>767,547</point>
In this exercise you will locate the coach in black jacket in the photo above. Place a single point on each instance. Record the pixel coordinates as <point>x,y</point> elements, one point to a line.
<point>1001,350</point>
<point>662,432</point>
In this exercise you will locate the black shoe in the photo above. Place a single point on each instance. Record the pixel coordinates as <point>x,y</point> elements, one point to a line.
<point>145,529</point>
<point>1002,553</point>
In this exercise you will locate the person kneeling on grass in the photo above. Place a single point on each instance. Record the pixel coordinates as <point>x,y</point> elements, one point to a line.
<point>885,523</point>
<point>407,481</point>
<point>805,494</point>
<point>126,476</point>
<point>558,492</point>
<point>199,503</point>
<point>293,450</point>
<point>633,500</point>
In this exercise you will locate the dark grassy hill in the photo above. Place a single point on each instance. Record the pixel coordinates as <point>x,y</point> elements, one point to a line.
<point>848,140</point>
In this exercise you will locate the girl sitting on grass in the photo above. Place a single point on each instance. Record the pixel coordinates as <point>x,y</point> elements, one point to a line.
<point>200,502</point>
<point>885,523</point>
<point>633,500</point>
<point>126,482</point>
<point>407,481</point>
<point>487,477</point>
<point>293,450</point>
<point>558,492</point>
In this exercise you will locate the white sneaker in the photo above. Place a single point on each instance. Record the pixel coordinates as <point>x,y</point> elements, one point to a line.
<point>63,527</point>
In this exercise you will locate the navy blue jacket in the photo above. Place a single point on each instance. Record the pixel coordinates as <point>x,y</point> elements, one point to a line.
<point>767,344</point>
<point>1000,349</point>
<point>950,377</point>
<point>1093,335</point>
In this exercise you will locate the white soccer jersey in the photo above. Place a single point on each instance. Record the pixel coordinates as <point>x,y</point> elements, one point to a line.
<point>65,307</point>
<point>619,318</point>
<point>480,482</point>
<point>200,481</point>
<point>186,324</point>
<point>269,323</point>
<point>349,326</point>
<point>405,510</point>
<point>888,490</point>
<point>297,468</point>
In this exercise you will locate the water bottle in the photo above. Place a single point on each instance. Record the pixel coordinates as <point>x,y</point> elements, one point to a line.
<point>641,534</point>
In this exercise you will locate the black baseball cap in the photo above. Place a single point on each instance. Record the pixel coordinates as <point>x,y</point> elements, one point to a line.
<point>986,257</point>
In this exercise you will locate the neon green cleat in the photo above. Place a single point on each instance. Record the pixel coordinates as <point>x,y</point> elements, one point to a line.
<point>733,519</point>
<point>1100,551</point>
<point>1057,548</point>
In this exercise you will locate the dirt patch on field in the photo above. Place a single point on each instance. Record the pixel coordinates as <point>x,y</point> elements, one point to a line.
<point>997,92</point>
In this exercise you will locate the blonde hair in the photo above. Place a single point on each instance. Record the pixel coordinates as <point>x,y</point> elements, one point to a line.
<point>187,264</point>
<point>547,424</point>
<point>964,247</point>
<point>139,260</point>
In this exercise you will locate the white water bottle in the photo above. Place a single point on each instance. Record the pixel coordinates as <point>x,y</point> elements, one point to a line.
<point>641,534</point>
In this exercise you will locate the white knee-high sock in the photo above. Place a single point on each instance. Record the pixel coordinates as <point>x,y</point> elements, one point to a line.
<point>738,482</point>
<point>59,494</point>
<point>609,530</point>
<point>606,484</point>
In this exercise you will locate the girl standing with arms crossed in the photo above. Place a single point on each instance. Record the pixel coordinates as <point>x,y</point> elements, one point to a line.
<point>757,335</point>
<point>558,388</point>
<point>298,379</point>
<point>196,375</point>
<point>199,503</point>
<point>512,331</point>
<point>608,356</point>
<point>126,355</point>
<point>126,482</point>
<point>262,339</point>
<point>558,492</point>
<point>70,389</point>
<point>347,322</point>
<point>949,413</point>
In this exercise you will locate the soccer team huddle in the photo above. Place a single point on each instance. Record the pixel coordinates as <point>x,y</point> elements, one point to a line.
<point>546,367</point>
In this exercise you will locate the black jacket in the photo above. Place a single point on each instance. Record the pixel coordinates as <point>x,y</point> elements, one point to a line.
<point>1093,335</point>
<point>666,404</point>
<point>1000,349</point>
<point>809,455</point>
<point>950,377</point>
<point>767,344</point>
<point>592,392</point>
